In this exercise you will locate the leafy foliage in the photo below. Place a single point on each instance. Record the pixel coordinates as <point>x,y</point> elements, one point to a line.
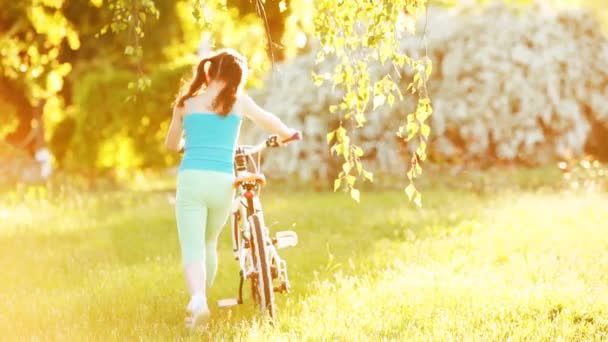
<point>356,33</point>
<point>131,16</point>
<point>133,131</point>
<point>59,55</point>
<point>339,26</point>
<point>32,36</point>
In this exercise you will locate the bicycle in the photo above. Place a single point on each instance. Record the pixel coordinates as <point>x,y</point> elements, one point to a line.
<point>252,245</point>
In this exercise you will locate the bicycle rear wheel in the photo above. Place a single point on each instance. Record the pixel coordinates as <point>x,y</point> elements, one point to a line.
<point>262,287</point>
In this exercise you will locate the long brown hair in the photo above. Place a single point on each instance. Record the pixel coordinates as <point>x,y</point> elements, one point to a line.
<point>226,66</point>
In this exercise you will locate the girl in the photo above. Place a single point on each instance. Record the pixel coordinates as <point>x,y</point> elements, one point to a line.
<point>210,112</point>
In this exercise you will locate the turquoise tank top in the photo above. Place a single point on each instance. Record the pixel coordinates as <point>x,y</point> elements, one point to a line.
<point>210,142</point>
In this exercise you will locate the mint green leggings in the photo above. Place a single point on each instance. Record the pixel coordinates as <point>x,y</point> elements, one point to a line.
<point>202,206</point>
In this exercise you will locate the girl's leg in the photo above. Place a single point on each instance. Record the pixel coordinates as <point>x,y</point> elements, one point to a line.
<point>191,217</point>
<point>219,204</point>
<point>216,219</point>
<point>195,276</point>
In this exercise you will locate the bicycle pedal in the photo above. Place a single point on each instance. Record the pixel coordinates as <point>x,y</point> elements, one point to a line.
<point>281,288</point>
<point>286,238</point>
<point>228,302</point>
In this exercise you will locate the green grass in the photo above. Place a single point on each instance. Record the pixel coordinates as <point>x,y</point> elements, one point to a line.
<point>510,263</point>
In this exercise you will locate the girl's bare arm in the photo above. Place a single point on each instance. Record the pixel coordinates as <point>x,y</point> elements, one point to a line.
<point>265,119</point>
<point>173,140</point>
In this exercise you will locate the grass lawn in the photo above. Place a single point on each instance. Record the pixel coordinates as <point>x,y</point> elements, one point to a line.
<point>490,265</point>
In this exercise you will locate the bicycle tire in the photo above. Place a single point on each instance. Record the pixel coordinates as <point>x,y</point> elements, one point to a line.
<point>255,294</point>
<point>263,280</point>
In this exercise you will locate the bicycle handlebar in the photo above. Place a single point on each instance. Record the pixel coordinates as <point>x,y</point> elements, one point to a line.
<point>271,141</point>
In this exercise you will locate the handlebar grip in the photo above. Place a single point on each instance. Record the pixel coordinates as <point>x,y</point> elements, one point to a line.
<point>296,136</point>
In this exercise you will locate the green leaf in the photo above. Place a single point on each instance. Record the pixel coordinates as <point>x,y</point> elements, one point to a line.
<point>351,180</point>
<point>339,149</point>
<point>358,151</point>
<point>379,100</point>
<point>368,175</point>
<point>129,50</point>
<point>334,149</point>
<point>391,99</point>
<point>346,167</point>
<point>360,119</point>
<point>421,148</point>
<point>73,40</point>
<point>422,114</point>
<point>338,79</point>
<point>354,193</point>
<point>410,191</point>
<point>330,136</point>
<point>412,129</point>
<point>337,183</point>
<point>421,151</point>
<point>418,200</point>
<point>425,130</point>
<point>318,79</point>
<point>139,51</point>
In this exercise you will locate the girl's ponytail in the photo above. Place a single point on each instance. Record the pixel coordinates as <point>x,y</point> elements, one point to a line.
<point>199,80</point>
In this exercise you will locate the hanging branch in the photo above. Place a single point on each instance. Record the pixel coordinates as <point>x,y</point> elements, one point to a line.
<point>356,33</point>
<point>131,16</point>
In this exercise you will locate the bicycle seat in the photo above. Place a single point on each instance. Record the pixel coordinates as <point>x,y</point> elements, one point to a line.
<point>249,177</point>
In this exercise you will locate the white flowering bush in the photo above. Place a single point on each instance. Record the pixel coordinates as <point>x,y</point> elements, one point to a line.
<point>506,85</point>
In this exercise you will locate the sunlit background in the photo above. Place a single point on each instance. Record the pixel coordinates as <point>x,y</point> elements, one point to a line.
<point>511,242</point>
